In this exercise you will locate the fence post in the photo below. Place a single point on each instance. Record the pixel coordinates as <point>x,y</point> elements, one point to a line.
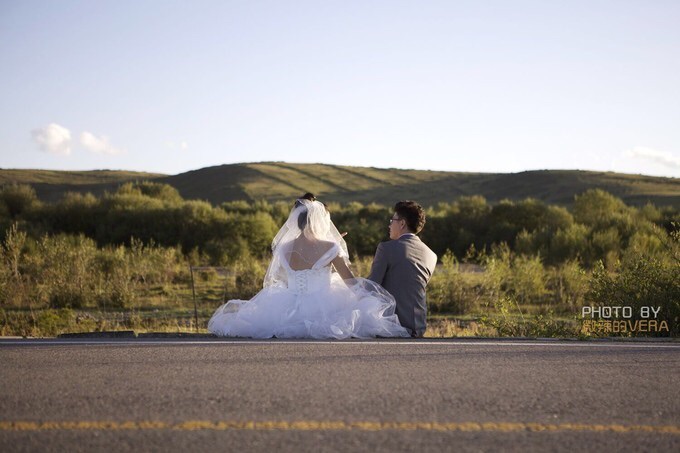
<point>193,293</point>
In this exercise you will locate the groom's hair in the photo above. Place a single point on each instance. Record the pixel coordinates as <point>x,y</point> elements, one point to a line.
<point>412,213</point>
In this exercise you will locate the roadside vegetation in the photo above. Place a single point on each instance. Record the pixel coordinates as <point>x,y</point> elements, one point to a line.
<point>525,268</point>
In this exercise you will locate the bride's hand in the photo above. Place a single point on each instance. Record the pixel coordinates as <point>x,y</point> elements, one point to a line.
<point>343,234</point>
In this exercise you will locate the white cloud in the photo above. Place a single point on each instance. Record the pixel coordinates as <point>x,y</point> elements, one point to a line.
<point>53,139</point>
<point>660,157</point>
<point>98,145</point>
<point>173,145</point>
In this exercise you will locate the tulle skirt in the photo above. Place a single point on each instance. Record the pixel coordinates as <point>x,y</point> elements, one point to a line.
<point>337,311</point>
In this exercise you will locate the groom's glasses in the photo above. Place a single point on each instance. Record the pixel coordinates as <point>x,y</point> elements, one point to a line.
<point>394,219</point>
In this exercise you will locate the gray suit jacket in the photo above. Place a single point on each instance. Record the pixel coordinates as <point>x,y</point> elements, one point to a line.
<point>403,267</point>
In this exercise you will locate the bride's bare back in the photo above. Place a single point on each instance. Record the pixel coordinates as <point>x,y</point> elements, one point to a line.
<point>305,253</point>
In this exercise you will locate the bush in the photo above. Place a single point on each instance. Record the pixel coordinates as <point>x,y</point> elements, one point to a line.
<point>521,277</point>
<point>569,284</point>
<point>13,278</point>
<point>50,323</point>
<point>597,208</point>
<point>152,264</point>
<point>118,287</point>
<point>527,282</point>
<point>508,324</point>
<point>644,281</point>
<point>569,243</point>
<point>18,198</point>
<point>248,278</point>
<point>159,191</point>
<point>75,213</point>
<point>447,292</point>
<point>222,252</point>
<point>606,246</point>
<point>65,274</point>
<point>498,272</point>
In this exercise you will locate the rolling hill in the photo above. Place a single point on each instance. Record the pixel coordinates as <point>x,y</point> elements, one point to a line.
<point>51,185</point>
<point>283,181</point>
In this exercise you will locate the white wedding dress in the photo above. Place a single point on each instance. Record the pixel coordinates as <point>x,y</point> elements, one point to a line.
<point>310,303</point>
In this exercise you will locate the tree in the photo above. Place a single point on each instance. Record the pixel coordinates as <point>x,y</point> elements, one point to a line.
<point>597,208</point>
<point>18,198</point>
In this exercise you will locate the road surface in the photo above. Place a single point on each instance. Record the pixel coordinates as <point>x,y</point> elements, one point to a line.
<point>382,395</point>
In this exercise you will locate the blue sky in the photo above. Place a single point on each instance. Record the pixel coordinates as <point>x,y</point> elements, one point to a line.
<point>486,86</point>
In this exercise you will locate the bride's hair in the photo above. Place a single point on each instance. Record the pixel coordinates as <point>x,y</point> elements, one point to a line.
<point>302,218</point>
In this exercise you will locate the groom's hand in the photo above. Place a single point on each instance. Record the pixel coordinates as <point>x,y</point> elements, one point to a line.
<point>343,234</point>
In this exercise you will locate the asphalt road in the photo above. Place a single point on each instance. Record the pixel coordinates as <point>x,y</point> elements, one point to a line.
<point>410,395</point>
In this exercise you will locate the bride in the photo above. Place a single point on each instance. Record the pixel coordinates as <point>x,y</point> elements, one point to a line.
<point>309,290</point>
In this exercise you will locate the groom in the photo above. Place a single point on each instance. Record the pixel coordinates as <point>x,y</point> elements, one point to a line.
<point>404,265</point>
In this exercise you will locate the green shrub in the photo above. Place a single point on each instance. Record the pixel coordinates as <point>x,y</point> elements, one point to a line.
<point>528,279</point>
<point>569,284</point>
<point>597,208</point>
<point>518,276</point>
<point>248,278</point>
<point>509,321</point>
<point>646,281</point>
<point>14,278</point>
<point>606,246</point>
<point>569,243</point>
<point>118,288</point>
<point>18,199</point>
<point>65,267</point>
<point>498,270</point>
<point>50,323</point>
<point>447,292</point>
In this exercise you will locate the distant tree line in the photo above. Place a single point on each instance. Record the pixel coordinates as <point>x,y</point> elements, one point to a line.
<point>598,227</point>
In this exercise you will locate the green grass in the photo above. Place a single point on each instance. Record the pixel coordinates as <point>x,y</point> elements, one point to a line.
<point>50,322</point>
<point>71,177</point>
<point>51,185</point>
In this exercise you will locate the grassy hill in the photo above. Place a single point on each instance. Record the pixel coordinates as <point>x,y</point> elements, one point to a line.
<point>51,185</point>
<point>283,181</point>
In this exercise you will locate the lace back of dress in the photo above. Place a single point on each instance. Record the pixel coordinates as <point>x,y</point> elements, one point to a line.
<point>303,241</point>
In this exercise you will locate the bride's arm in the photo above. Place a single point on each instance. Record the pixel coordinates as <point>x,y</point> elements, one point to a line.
<point>341,267</point>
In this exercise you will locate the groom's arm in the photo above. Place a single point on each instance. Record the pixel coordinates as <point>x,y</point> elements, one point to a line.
<point>379,266</point>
